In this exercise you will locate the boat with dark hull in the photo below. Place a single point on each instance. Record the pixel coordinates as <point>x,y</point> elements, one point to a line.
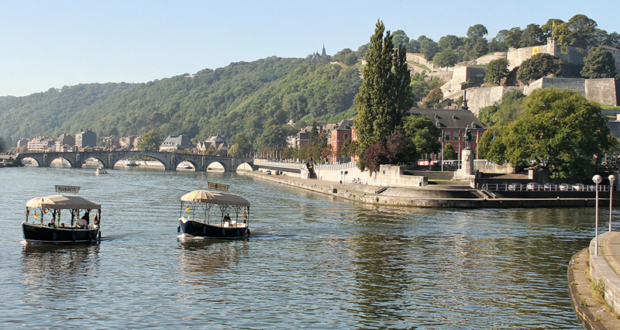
<point>78,230</point>
<point>200,202</point>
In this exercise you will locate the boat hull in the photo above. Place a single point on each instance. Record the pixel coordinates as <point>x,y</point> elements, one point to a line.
<point>42,234</point>
<point>195,228</point>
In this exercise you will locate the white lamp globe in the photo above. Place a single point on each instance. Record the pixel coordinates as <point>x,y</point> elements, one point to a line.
<point>597,179</point>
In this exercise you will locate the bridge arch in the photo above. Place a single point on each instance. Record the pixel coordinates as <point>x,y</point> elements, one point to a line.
<point>215,165</point>
<point>50,160</point>
<point>245,167</point>
<point>119,156</point>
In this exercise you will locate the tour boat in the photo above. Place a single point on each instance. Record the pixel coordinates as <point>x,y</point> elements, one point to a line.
<point>45,225</point>
<point>231,223</point>
<point>101,170</point>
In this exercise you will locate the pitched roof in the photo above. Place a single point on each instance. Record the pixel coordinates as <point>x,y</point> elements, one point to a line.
<point>449,118</point>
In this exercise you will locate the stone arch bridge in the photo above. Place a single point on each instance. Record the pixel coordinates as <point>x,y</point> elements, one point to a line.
<point>109,158</point>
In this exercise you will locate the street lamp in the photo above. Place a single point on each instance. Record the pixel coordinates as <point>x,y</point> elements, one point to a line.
<point>597,179</point>
<point>611,197</point>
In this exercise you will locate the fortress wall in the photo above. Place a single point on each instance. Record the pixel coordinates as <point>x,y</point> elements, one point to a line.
<point>480,97</point>
<point>516,56</point>
<point>534,85</point>
<point>603,91</point>
<point>418,58</point>
<point>490,57</point>
<point>574,84</point>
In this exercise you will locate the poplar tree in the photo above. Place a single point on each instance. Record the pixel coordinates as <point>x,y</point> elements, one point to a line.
<point>385,95</point>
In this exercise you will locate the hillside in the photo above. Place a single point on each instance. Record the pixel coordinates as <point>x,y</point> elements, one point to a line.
<point>240,97</point>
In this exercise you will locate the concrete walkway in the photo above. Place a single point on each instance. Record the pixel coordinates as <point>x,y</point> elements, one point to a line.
<point>429,196</point>
<point>594,282</point>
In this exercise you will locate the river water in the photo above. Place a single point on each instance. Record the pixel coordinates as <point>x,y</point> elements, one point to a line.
<point>312,262</point>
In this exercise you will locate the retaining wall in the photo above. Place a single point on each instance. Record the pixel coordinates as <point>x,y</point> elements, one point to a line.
<point>485,166</point>
<point>601,271</point>
<point>388,175</point>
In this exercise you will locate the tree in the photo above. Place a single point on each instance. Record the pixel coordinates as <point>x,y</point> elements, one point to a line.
<point>477,31</point>
<point>507,111</point>
<point>422,134</point>
<point>433,99</point>
<point>581,30</point>
<point>538,66</point>
<point>448,152</point>
<point>149,141</point>
<point>449,42</point>
<point>273,136</point>
<point>399,37</point>
<point>548,27</point>
<point>498,44</point>
<point>385,94</point>
<point>560,129</point>
<point>513,37</point>
<point>448,57</point>
<point>496,71</point>
<point>532,36</point>
<point>242,145</point>
<point>485,143</point>
<point>428,48</point>
<point>599,63</point>
<point>2,145</point>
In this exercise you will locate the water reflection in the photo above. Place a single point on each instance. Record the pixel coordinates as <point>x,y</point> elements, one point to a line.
<point>57,271</point>
<point>205,262</point>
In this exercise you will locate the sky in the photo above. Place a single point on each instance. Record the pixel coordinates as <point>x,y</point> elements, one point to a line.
<point>51,44</point>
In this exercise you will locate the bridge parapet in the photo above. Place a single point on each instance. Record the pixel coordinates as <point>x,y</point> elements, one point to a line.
<point>109,158</point>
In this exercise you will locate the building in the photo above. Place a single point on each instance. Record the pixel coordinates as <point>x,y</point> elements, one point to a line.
<point>111,142</point>
<point>41,144</point>
<point>126,142</point>
<point>453,124</point>
<point>22,143</point>
<point>85,138</point>
<point>135,142</point>
<point>216,143</point>
<point>176,143</point>
<point>336,137</point>
<point>64,143</point>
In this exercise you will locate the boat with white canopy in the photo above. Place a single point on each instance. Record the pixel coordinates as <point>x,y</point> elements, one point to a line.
<point>45,215</point>
<point>231,219</point>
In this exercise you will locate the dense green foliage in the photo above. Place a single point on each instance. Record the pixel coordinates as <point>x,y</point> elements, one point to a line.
<point>496,71</point>
<point>538,66</point>
<point>599,64</point>
<point>150,141</point>
<point>422,134</point>
<point>448,152</point>
<point>242,97</point>
<point>385,95</point>
<point>505,112</point>
<point>559,129</point>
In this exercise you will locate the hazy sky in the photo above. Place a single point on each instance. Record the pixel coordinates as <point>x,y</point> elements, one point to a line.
<point>47,44</point>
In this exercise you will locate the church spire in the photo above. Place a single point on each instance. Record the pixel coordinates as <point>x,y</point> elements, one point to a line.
<point>323,53</point>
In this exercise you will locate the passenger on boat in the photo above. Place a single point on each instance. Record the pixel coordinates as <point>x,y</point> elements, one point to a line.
<point>51,224</point>
<point>227,217</point>
<point>62,225</point>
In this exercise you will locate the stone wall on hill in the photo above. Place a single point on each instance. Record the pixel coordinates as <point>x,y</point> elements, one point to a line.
<point>603,91</point>
<point>478,98</point>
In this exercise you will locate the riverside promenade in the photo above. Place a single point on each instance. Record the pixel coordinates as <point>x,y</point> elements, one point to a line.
<point>458,196</point>
<point>594,284</point>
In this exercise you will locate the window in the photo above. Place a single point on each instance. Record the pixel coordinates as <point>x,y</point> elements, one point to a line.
<point>447,136</point>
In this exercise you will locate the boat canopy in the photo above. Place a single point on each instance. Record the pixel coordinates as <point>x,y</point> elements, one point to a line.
<point>203,196</point>
<point>62,202</point>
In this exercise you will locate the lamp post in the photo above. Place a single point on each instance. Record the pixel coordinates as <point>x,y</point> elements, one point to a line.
<point>597,179</point>
<point>611,197</point>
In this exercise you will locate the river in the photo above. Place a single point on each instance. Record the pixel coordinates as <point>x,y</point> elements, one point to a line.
<point>313,261</point>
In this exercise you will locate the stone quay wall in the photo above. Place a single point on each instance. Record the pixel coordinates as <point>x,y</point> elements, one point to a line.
<point>601,271</point>
<point>388,175</point>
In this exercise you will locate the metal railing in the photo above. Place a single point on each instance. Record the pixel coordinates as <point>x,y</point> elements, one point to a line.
<point>538,187</point>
